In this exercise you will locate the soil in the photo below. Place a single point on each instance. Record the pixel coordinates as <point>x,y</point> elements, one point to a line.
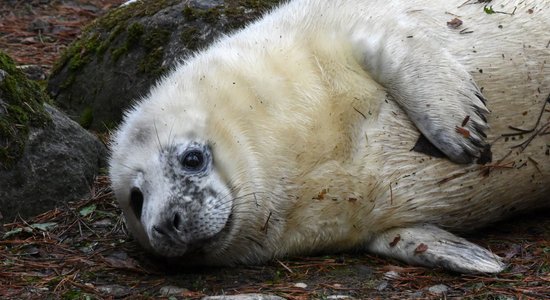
<point>82,251</point>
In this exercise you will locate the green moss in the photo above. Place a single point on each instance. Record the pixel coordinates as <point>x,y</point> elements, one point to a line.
<point>86,117</point>
<point>154,42</point>
<point>189,13</point>
<point>190,37</point>
<point>135,31</point>
<point>79,53</point>
<point>104,45</point>
<point>118,52</point>
<point>156,37</point>
<point>210,15</point>
<point>68,82</point>
<point>23,108</point>
<point>152,63</point>
<point>133,35</point>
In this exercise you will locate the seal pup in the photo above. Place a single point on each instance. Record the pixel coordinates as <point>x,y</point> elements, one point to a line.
<point>293,135</point>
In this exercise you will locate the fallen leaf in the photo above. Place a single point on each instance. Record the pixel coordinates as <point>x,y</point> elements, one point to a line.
<point>454,23</point>
<point>395,241</point>
<point>421,248</point>
<point>463,131</point>
<point>87,210</point>
<point>44,226</point>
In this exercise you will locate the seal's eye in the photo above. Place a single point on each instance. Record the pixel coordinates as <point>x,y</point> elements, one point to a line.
<point>193,160</point>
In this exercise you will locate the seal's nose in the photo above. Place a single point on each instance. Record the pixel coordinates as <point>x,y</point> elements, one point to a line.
<point>171,226</point>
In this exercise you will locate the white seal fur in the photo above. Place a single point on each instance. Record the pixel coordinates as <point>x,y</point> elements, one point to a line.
<point>293,135</point>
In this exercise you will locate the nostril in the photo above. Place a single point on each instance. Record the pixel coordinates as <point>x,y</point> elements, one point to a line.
<point>136,202</point>
<point>176,222</point>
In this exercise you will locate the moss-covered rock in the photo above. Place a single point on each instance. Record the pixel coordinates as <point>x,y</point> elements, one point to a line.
<point>120,55</point>
<point>21,107</point>
<point>46,159</point>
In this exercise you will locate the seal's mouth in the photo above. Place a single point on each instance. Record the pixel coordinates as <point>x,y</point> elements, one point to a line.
<point>215,244</point>
<point>188,241</point>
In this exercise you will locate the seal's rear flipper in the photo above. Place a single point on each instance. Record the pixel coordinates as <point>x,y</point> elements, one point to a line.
<point>431,246</point>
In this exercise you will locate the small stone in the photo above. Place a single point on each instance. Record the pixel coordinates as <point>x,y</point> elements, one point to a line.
<point>104,223</point>
<point>167,291</point>
<point>438,289</point>
<point>391,275</point>
<point>417,295</point>
<point>33,72</point>
<point>337,297</point>
<point>3,75</point>
<point>382,286</point>
<point>115,290</point>
<point>300,285</point>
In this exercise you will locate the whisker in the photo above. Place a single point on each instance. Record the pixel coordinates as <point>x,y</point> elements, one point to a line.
<point>158,137</point>
<point>128,167</point>
<point>171,142</point>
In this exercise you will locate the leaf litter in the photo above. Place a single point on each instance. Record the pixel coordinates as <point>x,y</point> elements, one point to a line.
<point>64,255</point>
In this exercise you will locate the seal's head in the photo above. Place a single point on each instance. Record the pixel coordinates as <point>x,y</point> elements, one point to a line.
<point>170,171</point>
<point>173,194</point>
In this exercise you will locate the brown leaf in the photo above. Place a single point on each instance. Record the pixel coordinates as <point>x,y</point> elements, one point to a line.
<point>321,195</point>
<point>454,23</point>
<point>421,248</point>
<point>395,241</point>
<point>122,261</point>
<point>463,131</point>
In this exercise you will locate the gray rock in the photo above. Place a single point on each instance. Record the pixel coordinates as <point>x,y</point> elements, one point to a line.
<point>391,275</point>
<point>58,165</point>
<point>167,291</point>
<point>438,289</point>
<point>33,72</point>
<point>123,53</point>
<point>46,159</point>
<point>244,297</point>
<point>115,290</point>
<point>416,295</point>
<point>382,285</point>
<point>3,74</point>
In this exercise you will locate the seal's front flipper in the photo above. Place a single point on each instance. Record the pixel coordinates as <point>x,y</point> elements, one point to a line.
<point>435,90</point>
<point>431,246</point>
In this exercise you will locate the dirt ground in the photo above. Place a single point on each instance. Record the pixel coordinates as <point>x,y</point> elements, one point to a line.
<point>82,251</point>
<point>36,32</point>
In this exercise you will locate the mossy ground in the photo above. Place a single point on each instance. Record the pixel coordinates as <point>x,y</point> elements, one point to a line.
<point>24,108</point>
